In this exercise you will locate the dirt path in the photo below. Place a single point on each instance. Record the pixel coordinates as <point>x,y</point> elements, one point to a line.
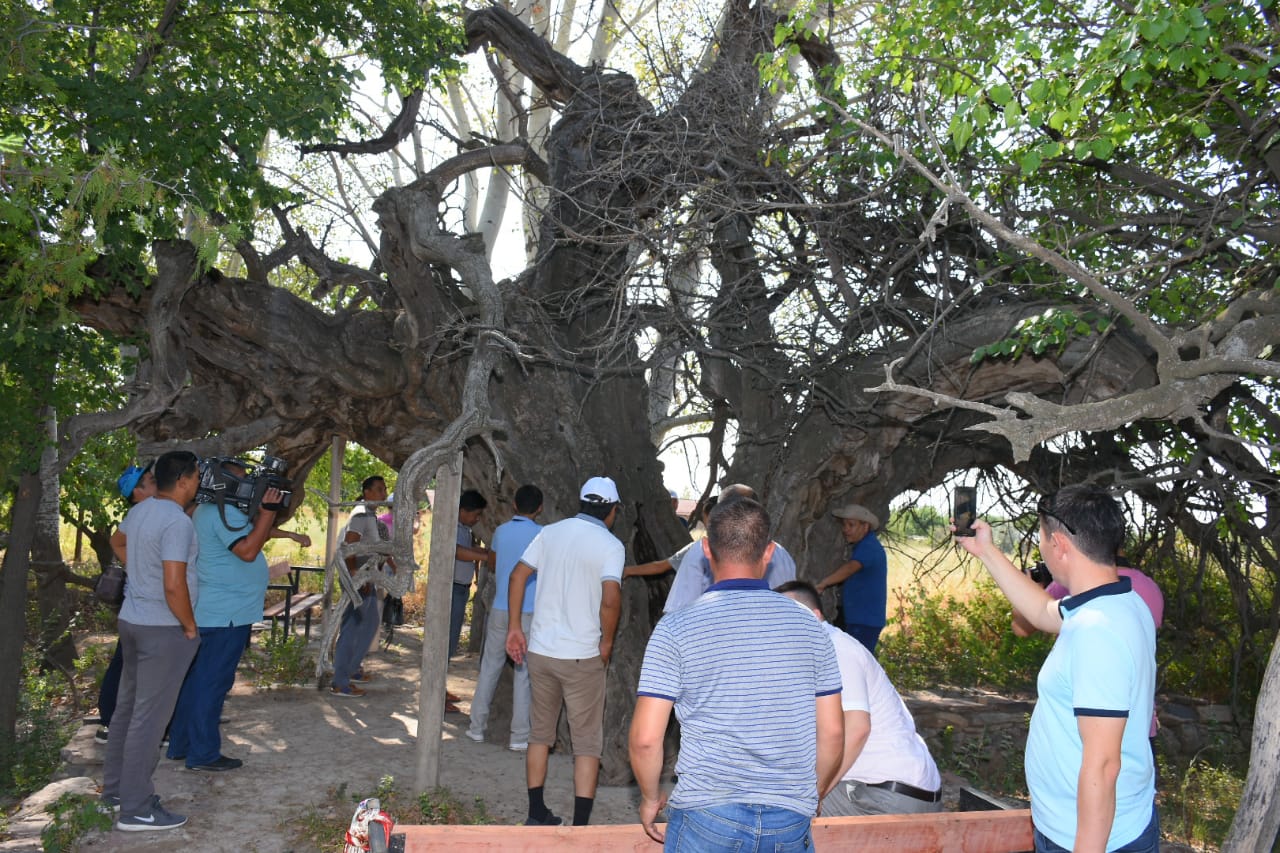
<point>299,743</point>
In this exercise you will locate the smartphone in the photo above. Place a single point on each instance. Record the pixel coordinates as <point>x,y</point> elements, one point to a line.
<point>964,509</point>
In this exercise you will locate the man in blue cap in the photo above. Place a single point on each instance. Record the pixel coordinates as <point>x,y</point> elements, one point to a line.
<point>135,485</point>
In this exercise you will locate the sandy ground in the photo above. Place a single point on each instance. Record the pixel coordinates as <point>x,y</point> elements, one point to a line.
<point>299,743</point>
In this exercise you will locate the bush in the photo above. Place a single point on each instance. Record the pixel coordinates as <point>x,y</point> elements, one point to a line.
<point>74,816</point>
<point>280,660</point>
<point>938,638</point>
<point>43,729</point>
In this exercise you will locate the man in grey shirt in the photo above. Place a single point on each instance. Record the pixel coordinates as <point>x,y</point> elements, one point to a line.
<point>158,638</point>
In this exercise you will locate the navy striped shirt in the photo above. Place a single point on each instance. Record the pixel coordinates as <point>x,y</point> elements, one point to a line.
<point>744,666</point>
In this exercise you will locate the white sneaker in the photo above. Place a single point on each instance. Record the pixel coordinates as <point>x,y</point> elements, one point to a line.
<point>478,738</point>
<point>518,747</point>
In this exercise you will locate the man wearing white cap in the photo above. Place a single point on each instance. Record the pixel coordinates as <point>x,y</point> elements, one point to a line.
<point>865,575</point>
<point>576,606</point>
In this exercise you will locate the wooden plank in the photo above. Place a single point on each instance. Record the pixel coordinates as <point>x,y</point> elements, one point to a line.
<point>952,832</point>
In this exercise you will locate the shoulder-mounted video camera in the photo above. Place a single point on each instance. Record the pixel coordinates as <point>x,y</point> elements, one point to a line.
<point>220,486</point>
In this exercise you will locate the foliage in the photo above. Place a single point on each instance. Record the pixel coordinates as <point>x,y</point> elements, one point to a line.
<point>141,121</point>
<point>43,729</point>
<point>943,639</point>
<point>321,823</point>
<point>1203,802</point>
<point>280,659</point>
<point>357,465</point>
<point>922,521</point>
<point>74,816</point>
<point>996,764</point>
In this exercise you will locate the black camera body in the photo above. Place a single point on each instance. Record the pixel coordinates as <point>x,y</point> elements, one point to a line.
<point>218,485</point>
<point>1040,574</point>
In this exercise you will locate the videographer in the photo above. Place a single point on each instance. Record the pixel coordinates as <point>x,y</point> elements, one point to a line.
<point>233,576</point>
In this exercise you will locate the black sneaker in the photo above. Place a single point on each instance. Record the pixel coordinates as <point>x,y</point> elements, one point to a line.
<point>109,803</point>
<point>549,820</point>
<point>155,818</point>
<point>101,734</point>
<point>218,764</point>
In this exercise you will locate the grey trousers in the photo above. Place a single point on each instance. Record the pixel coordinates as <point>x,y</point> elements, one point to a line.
<point>492,660</point>
<point>156,658</point>
<point>850,799</point>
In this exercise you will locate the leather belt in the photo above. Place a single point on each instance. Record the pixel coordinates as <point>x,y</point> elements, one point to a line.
<point>908,790</point>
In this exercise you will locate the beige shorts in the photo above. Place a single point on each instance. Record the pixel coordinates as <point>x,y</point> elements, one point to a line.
<point>579,685</point>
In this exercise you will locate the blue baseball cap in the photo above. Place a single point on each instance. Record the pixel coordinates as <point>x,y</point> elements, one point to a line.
<point>128,481</point>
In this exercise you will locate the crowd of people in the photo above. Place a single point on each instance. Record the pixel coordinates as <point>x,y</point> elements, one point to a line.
<point>781,715</point>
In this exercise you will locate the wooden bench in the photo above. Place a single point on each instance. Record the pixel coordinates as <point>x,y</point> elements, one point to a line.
<point>982,832</point>
<point>295,604</point>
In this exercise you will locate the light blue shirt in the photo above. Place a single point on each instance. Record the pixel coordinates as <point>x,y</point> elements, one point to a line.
<point>510,541</point>
<point>1102,665</point>
<point>156,531</point>
<point>232,590</point>
<point>693,576</point>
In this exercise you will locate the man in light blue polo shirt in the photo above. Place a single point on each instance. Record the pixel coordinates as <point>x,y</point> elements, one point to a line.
<point>755,684</point>
<point>232,574</point>
<point>509,542</point>
<point>693,574</point>
<point>1089,766</point>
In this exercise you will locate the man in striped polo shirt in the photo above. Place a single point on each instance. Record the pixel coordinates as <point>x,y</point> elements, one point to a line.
<point>755,684</point>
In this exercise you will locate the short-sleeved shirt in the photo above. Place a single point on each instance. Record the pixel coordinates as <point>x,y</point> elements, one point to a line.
<point>464,571</point>
<point>572,558</point>
<point>693,575</point>
<point>1148,591</point>
<point>364,522</point>
<point>232,590</point>
<point>1102,665</point>
<point>744,667</point>
<point>509,542</point>
<point>894,751</point>
<point>156,531</point>
<point>865,593</point>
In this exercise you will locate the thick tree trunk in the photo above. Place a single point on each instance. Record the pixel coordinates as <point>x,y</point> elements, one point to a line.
<point>1258,819</point>
<point>13,601</point>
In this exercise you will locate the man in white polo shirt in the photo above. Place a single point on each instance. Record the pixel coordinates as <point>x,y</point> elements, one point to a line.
<point>886,767</point>
<point>576,606</point>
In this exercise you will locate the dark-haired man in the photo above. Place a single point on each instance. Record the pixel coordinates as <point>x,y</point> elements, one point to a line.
<point>1089,766</point>
<point>693,573</point>
<point>575,614</point>
<point>509,542</point>
<point>471,505</point>
<point>863,578</point>
<point>886,767</point>
<point>754,682</point>
<point>135,485</point>
<point>158,637</point>
<point>233,578</point>
<point>359,624</point>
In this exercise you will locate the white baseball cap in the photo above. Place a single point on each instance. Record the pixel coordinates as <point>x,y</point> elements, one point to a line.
<point>599,490</point>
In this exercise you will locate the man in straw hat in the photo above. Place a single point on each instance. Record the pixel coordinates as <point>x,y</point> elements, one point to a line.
<point>865,575</point>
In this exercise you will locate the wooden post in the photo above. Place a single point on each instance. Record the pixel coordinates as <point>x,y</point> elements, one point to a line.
<point>435,637</point>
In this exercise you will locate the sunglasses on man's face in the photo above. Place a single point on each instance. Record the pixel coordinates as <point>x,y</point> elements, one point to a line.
<point>1045,508</point>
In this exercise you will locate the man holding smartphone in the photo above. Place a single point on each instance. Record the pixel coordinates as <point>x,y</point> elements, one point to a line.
<point>865,575</point>
<point>1089,766</point>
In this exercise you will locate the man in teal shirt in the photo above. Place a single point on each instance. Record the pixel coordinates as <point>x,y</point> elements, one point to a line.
<point>232,575</point>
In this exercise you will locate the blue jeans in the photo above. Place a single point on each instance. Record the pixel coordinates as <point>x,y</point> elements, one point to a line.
<point>457,613</point>
<point>737,827</point>
<point>868,635</point>
<point>359,625</point>
<point>194,733</point>
<point>1147,842</point>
